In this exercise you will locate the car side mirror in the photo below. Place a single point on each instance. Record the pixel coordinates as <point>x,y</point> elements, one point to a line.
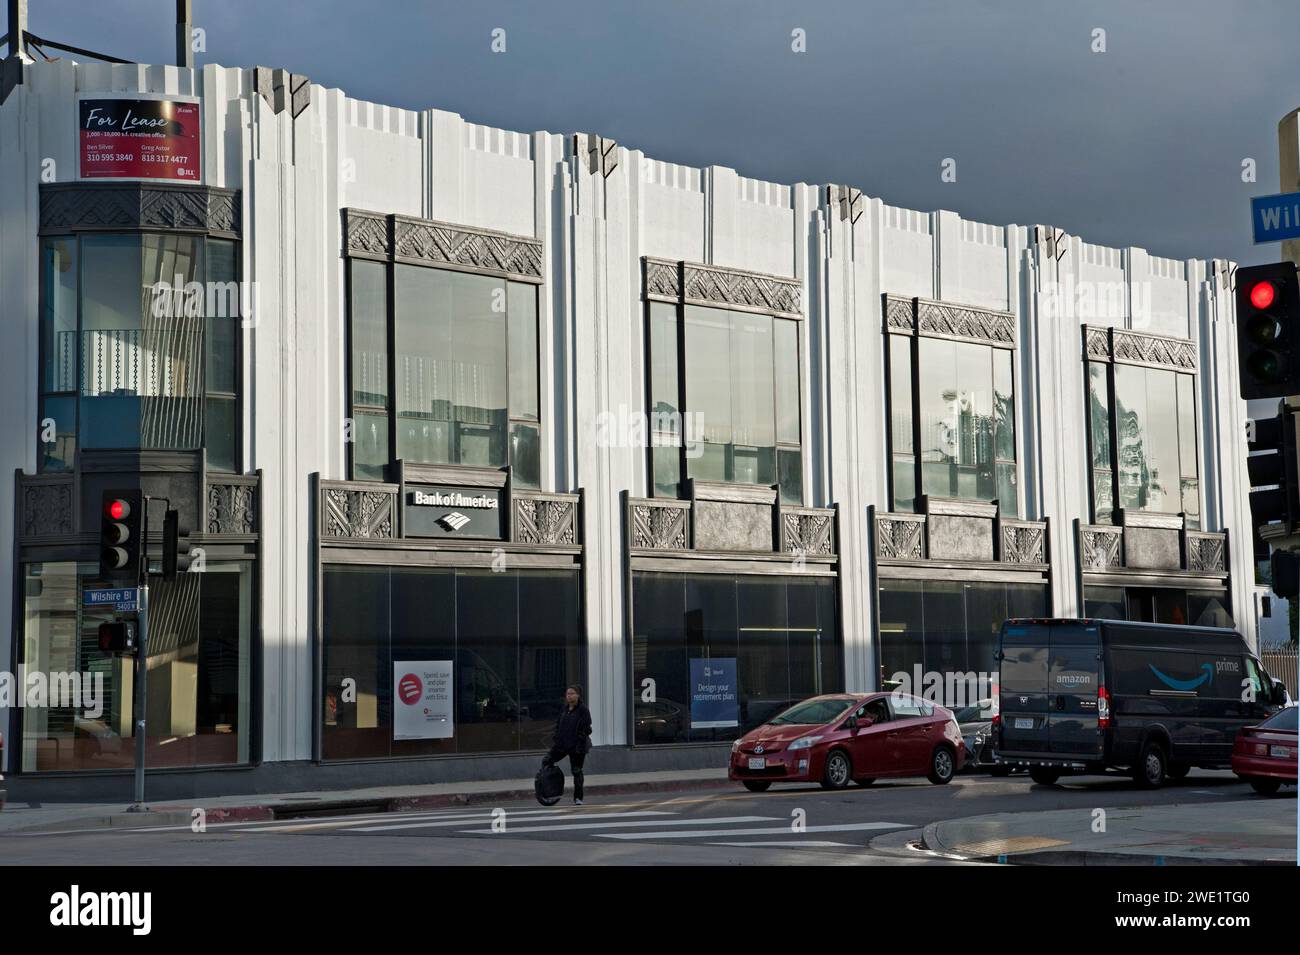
<point>1279,692</point>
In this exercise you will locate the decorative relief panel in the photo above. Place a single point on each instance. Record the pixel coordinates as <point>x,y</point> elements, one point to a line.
<point>1153,350</point>
<point>708,285</point>
<point>656,526</point>
<point>1101,547</point>
<point>232,509</point>
<point>1023,543</point>
<point>808,532</point>
<point>963,321</point>
<point>1205,553</point>
<point>439,243</point>
<point>1096,343</point>
<point>663,279</point>
<point>47,509</point>
<point>357,513</point>
<point>545,520</point>
<point>72,207</point>
<point>900,313</point>
<point>900,538</point>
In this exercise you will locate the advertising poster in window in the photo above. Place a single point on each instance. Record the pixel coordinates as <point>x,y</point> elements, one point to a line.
<point>422,699</point>
<point>139,139</point>
<point>714,704</point>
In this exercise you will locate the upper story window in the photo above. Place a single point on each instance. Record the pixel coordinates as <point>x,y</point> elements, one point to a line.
<point>1142,430</point>
<point>724,398</point>
<point>952,408</point>
<point>139,346</point>
<point>443,370</point>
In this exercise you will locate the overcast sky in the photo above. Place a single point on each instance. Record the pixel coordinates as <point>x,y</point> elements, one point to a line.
<point>1140,145</point>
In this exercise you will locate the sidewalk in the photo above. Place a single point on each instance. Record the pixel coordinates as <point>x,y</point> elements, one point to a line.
<point>1247,832</point>
<point>56,817</point>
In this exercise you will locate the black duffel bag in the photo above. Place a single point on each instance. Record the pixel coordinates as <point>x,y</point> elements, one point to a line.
<point>549,784</point>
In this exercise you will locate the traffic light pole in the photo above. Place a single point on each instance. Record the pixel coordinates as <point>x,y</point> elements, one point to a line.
<point>142,663</point>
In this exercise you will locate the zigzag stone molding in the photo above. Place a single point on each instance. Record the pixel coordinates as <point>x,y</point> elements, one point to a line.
<point>406,239</point>
<point>1139,348</point>
<point>695,284</point>
<point>79,207</point>
<point>922,316</point>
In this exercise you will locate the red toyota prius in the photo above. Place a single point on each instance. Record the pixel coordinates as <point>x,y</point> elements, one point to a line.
<point>1264,755</point>
<point>841,737</point>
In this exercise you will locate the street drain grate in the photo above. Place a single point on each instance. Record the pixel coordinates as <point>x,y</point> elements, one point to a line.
<point>1001,847</point>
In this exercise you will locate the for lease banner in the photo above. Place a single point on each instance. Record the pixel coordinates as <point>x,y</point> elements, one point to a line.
<point>422,699</point>
<point>139,139</point>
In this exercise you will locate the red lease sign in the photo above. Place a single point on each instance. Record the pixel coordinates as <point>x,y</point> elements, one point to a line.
<point>139,139</point>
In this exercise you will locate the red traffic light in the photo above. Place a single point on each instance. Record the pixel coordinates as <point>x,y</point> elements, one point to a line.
<point>1262,294</point>
<point>119,509</point>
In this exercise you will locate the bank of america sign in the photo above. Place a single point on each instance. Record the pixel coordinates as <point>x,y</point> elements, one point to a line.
<point>453,521</point>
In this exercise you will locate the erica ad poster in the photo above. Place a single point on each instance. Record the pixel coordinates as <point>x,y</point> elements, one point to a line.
<point>422,699</point>
<point>139,139</point>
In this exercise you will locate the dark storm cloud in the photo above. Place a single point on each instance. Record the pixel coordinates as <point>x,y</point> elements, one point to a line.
<point>1141,145</point>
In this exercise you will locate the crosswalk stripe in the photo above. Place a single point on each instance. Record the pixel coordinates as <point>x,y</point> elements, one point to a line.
<point>488,817</point>
<point>772,830</point>
<point>807,844</point>
<point>461,817</point>
<point>519,830</point>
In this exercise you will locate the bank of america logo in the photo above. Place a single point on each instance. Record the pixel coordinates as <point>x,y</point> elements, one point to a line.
<point>453,521</point>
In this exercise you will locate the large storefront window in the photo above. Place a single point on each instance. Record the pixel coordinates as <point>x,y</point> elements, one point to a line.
<point>949,628</point>
<point>198,672</point>
<point>1142,428</point>
<point>740,382</point>
<point>139,346</point>
<point>952,421</point>
<point>1201,608</point>
<point>465,380</point>
<point>510,642</point>
<point>716,655</point>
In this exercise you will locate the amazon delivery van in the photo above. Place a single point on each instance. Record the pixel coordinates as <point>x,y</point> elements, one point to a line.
<point>1082,696</point>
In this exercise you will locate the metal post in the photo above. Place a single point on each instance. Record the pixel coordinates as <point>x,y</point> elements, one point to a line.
<point>184,34</point>
<point>142,662</point>
<point>18,28</point>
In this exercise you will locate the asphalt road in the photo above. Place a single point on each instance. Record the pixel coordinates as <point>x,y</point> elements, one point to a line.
<point>794,825</point>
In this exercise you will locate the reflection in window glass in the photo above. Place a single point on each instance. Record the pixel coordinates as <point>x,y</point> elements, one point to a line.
<point>1191,485</point>
<point>901,422</point>
<point>369,330</point>
<point>1148,439</point>
<point>523,350</point>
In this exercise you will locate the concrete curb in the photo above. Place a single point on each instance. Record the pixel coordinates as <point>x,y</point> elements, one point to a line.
<point>172,815</point>
<point>930,840</point>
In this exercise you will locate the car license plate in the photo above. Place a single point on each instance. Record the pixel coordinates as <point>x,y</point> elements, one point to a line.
<point>1025,724</point>
<point>757,762</point>
<point>1281,752</point>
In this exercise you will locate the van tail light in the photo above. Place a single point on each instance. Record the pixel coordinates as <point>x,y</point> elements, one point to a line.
<point>1103,708</point>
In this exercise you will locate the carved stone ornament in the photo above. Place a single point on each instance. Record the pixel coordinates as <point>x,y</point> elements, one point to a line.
<point>356,513</point>
<point>659,527</point>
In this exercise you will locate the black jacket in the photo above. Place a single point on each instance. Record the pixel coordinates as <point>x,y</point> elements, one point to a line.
<point>573,729</point>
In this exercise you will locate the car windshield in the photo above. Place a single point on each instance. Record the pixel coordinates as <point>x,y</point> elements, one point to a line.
<point>983,710</point>
<point>811,713</point>
<point>1285,720</point>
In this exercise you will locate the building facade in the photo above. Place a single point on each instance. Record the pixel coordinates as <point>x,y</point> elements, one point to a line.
<point>503,411</point>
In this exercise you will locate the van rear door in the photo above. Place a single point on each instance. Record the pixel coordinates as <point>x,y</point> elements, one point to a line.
<point>1074,674</point>
<point>1022,681</point>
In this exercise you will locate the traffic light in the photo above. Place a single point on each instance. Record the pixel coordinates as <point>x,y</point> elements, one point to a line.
<point>118,638</point>
<point>1286,573</point>
<point>175,552</point>
<point>1272,466</point>
<point>120,538</point>
<point>1268,330</point>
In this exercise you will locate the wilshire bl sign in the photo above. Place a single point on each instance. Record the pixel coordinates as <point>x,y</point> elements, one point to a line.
<point>435,510</point>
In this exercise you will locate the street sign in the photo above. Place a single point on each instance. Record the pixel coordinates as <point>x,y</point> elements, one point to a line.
<point>1275,218</point>
<point>123,599</point>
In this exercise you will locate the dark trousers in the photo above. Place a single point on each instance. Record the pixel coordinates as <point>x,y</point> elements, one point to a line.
<point>576,760</point>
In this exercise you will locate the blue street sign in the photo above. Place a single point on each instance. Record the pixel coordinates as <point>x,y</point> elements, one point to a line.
<point>1276,217</point>
<point>124,599</point>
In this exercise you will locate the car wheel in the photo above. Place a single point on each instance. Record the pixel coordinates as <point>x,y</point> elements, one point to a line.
<point>838,772</point>
<point>1000,771</point>
<point>1044,775</point>
<point>1152,766</point>
<point>1179,770</point>
<point>1265,787</point>
<point>865,782</point>
<point>757,785</point>
<point>942,766</point>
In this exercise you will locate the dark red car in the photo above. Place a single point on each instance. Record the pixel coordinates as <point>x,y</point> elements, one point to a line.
<point>1264,755</point>
<point>841,737</point>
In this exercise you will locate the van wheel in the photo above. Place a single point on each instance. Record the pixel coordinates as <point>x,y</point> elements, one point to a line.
<point>942,766</point>
<point>864,783</point>
<point>757,785</point>
<point>838,772</point>
<point>1179,770</point>
<point>1265,787</point>
<point>1044,775</point>
<point>1151,767</point>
